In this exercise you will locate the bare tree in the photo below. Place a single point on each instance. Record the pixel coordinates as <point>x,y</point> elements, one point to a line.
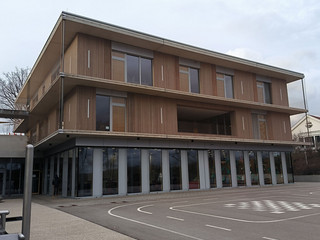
<point>10,86</point>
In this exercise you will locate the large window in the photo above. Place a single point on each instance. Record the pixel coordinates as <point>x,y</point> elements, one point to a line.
<point>175,169</point>
<point>289,167</point>
<point>193,169</point>
<point>241,173</point>
<point>266,168</point>
<point>85,172</point>
<point>189,79</point>
<point>205,121</point>
<point>254,168</point>
<point>134,170</point>
<point>110,113</point>
<point>155,159</point>
<point>259,125</point>
<point>264,92</point>
<point>110,171</point>
<point>224,85</point>
<point>131,68</point>
<point>225,168</point>
<point>278,166</point>
<point>212,169</point>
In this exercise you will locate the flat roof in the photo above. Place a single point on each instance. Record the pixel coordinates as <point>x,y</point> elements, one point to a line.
<point>72,24</point>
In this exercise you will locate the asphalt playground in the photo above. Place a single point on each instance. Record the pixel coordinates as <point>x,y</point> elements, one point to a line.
<point>282,212</point>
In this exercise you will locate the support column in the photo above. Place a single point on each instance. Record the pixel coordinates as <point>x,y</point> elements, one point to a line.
<point>247,168</point>
<point>217,162</point>
<point>201,170</point>
<point>45,177</point>
<point>97,172</point>
<point>284,168</point>
<point>206,169</point>
<point>165,171</point>
<point>51,175</point>
<point>65,174</point>
<point>233,169</point>
<point>260,169</point>
<point>73,172</point>
<point>145,171</point>
<point>184,170</point>
<point>273,169</point>
<point>122,171</point>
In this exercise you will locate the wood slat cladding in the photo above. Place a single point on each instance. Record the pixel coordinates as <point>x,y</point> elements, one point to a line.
<point>86,109</point>
<point>118,118</point>
<point>279,126</point>
<point>70,110</point>
<point>165,71</point>
<point>149,114</point>
<point>53,120</point>
<point>244,85</point>
<point>242,123</point>
<point>71,57</point>
<point>279,92</point>
<point>118,66</point>
<point>205,79</point>
<point>94,56</point>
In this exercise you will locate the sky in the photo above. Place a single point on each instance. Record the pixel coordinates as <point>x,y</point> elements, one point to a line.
<point>281,33</point>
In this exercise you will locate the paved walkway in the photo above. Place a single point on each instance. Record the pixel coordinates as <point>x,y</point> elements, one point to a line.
<point>49,223</point>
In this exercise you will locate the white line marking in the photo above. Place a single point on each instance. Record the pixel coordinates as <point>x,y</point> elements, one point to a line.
<point>243,205</point>
<point>288,206</point>
<point>314,205</point>
<point>139,209</point>
<point>147,224</point>
<point>221,228</point>
<point>302,206</point>
<point>178,219</point>
<point>269,238</point>
<point>274,207</point>
<point>209,199</point>
<point>230,205</point>
<point>257,206</point>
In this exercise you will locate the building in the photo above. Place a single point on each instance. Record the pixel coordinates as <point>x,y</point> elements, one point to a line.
<point>307,129</point>
<point>115,111</point>
<point>12,161</point>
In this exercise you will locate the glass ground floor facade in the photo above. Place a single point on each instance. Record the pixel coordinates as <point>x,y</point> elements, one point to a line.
<point>98,171</point>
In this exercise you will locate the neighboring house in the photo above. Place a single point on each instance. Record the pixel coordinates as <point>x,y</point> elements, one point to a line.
<point>307,129</point>
<point>116,111</point>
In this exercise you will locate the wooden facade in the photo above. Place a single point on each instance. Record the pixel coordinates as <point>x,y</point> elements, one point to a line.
<point>94,57</point>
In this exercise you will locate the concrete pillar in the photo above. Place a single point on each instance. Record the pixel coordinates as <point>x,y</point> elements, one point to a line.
<point>65,175</point>
<point>273,169</point>
<point>184,170</point>
<point>97,172</point>
<point>165,171</point>
<point>233,168</point>
<point>73,173</point>
<point>145,171</point>
<point>122,172</point>
<point>45,177</point>
<point>247,168</point>
<point>217,158</point>
<point>201,170</point>
<point>284,168</point>
<point>206,169</point>
<point>51,175</point>
<point>260,168</point>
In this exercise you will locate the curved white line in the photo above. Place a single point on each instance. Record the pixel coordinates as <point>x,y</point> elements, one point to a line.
<point>139,209</point>
<point>147,224</point>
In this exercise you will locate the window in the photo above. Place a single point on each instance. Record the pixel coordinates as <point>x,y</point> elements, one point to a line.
<point>134,170</point>
<point>264,92</point>
<point>110,113</point>
<point>155,159</point>
<point>175,169</point>
<point>224,85</point>
<point>241,175</point>
<point>212,169</point>
<point>85,172</point>
<point>193,169</point>
<point>131,68</point>
<point>225,168</point>
<point>259,124</point>
<point>189,79</point>
<point>278,167</point>
<point>254,168</point>
<point>110,171</point>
